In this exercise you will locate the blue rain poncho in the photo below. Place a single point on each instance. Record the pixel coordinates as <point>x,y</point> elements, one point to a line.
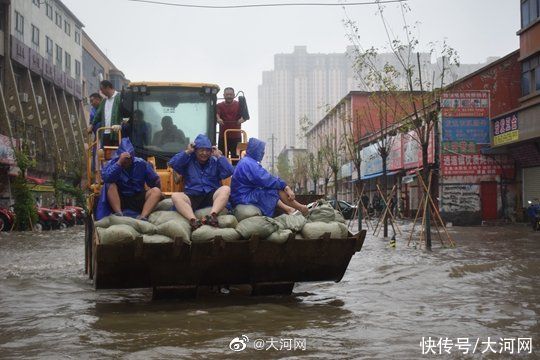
<point>130,181</point>
<point>254,185</point>
<point>200,179</point>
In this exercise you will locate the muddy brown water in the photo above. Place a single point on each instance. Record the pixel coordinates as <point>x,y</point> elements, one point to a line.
<point>388,300</point>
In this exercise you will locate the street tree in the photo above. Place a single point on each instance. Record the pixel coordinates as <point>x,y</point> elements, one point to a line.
<point>407,71</point>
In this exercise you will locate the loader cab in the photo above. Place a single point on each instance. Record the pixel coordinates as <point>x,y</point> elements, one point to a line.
<point>166,117</point>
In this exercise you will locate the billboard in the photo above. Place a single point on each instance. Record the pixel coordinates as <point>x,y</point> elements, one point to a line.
<point>465,104</point>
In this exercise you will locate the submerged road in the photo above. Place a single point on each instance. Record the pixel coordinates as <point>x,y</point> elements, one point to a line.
<point>485,291</point>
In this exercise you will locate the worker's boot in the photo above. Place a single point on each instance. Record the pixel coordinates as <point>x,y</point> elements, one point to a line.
<point>195,224</point>
<point>211,220</point>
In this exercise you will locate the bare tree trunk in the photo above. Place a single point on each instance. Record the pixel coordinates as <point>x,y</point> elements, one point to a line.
<point>359,208</point>
<point>385,190</point>
<point>425,175</point>
<point>335,186</point>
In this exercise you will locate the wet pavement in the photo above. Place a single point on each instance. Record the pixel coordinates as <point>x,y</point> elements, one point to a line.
<point>389,299</point>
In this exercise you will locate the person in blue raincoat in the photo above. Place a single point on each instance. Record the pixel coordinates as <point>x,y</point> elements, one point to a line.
<point>124,178</point>
<point>203,167</point>
<point>253,185</point>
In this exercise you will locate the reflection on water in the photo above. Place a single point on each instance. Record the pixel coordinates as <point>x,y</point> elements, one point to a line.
<point>388,300</point>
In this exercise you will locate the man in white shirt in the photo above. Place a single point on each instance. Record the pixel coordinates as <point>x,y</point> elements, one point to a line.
<point>110,113</point>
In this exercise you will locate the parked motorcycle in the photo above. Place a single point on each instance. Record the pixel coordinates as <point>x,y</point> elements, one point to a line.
<point>79,213</point>
<point>7,218</point>
<point>49,219</point>
<point>533,211</point>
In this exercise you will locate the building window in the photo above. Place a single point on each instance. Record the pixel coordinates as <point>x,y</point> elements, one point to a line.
<point>35,36</point>
<point>58,20</point>
<point>530,76</point>
<point>67,27</point>
<point>48,10</point>
<point>49,47</point>
<point>37,3</point>
<point>77,69</point>
<point>58,56</point>
<point>68,63</point>
<point>19,23</point>
<point>529,11</point>
<point>78,37</point>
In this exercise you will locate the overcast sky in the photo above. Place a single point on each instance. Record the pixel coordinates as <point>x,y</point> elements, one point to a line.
<point>232,47</point>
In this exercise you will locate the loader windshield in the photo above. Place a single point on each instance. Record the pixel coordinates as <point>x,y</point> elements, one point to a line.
<point>167,119</point>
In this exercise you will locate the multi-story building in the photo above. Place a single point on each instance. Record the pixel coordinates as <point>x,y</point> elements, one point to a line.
<point>520,135</point>
<point>303,87</point>
<point>41,73</point>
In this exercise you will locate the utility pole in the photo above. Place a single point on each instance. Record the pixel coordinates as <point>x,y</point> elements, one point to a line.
<point>272,139</point>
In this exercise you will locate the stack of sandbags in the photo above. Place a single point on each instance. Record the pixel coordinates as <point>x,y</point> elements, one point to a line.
<point>324,219</point>
<point>207,233</point>
<point>294,222</point>
<point>201,213</point>
<point>171,224</point>
<point>164,205</point>
<point>242,212</point>
<point>280,236</point>
<point>142,227</point>
<point>260,226</point>
<point>117,234</point>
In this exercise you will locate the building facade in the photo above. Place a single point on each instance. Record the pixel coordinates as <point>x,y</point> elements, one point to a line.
<point>304,86</point>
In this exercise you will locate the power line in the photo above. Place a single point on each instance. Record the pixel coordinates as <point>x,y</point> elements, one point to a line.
<point>375,2</point>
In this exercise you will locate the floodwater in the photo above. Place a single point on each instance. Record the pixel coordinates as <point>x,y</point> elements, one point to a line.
<point>488,286</point>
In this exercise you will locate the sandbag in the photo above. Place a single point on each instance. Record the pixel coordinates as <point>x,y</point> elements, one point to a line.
<point>164,205</point>
<point>227,221</point>
<point>159,217</point>
<point>299,236</point>
<point>143,227</point>
<point>245,211</point>
<point>103,223</point>
<point>292,222</point>
<point>117,234</point>
<point>314,230</point>
<point>279,236</point>
<point>206,233</point>
<point>323,212</point>
<point>199,214</point>
<point>344,230</point>
<point>339,217</point>
<point>175,228</point>
<point>260,226</point>
<point>156,239</point>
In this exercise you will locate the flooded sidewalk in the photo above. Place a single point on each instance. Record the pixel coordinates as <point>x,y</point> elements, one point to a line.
<point>390,299</point>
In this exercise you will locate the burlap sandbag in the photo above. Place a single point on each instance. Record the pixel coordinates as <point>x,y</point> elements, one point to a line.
<point>164,205</point>
<point>324,213</point>
<point>314,230</point>
<point>199,214</point>
<point>279,236</point>
<point>103,223</point>
<point>260,226</point>
<point>245,211</point>
<point>175,228</point>
<point>117,234</point>
<point>292,222</point>
<point>344,230</point>
<point>206,233</point>
<point>339,217</point>
<point>156,239</point>
<point>227,221</point>
<point>143,227</point>
<point>159,217</point>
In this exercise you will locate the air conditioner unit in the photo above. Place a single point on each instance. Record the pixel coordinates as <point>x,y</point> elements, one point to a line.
<point>23,97</point>
<point>39,100</point>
